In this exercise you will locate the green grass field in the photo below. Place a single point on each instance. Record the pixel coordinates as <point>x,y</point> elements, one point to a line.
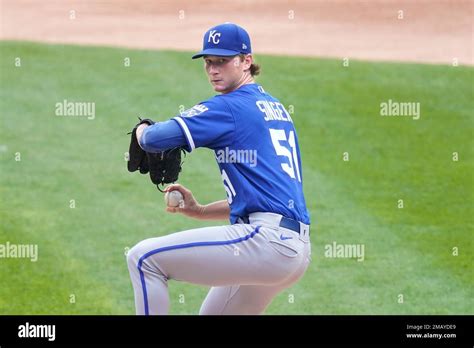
<point>408,251</point>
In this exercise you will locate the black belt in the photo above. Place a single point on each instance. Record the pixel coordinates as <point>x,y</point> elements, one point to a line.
<point>285,223</point>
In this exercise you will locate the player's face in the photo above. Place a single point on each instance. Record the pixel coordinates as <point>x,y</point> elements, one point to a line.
<point>225,73</point>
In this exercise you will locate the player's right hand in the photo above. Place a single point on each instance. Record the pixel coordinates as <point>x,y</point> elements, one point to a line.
<point>190,207</point>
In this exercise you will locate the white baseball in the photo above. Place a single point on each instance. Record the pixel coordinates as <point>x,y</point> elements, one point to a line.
<point>174,199</point>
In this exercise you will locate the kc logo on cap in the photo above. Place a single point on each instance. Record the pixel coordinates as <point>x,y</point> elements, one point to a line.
<point>214,36</point>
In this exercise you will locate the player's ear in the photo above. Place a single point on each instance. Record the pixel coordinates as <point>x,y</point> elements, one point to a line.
<point>248,61</point>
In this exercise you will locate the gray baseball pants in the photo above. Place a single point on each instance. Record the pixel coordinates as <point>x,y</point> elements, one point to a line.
<point>246,265</point>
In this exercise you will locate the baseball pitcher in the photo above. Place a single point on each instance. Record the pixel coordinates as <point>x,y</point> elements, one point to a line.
<point>266,246</point>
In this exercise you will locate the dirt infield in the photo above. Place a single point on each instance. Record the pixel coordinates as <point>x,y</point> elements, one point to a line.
<point>425,31</point>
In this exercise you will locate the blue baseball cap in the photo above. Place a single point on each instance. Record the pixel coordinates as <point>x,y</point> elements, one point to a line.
<point>226,39</point>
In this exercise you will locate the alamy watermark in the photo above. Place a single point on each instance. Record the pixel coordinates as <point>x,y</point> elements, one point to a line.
<point>68,108</point>
<point>20,251</point>
<point>393,108</point>
<point>348,251</point>
<point>227,155</point>
<point>28,330</point>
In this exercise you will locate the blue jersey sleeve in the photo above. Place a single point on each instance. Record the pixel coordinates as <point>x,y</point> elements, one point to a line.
<point>209,124</point>
<point>162,136</point>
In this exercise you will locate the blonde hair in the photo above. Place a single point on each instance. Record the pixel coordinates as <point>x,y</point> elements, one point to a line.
<point>254,68</point>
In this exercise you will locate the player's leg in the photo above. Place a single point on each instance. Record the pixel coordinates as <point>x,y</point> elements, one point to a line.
<point>214,256</point>
<point>238,299</point>
<point>246,299</point>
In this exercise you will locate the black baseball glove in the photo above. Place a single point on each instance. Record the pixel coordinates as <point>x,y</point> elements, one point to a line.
<point>137,159</point>
<point>164,166</point>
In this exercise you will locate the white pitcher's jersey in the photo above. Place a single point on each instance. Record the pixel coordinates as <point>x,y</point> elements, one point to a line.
<point>256,148</point>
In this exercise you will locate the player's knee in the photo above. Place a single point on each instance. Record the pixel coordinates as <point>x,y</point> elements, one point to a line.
<point>137,256</point>
<point>135,253</point>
